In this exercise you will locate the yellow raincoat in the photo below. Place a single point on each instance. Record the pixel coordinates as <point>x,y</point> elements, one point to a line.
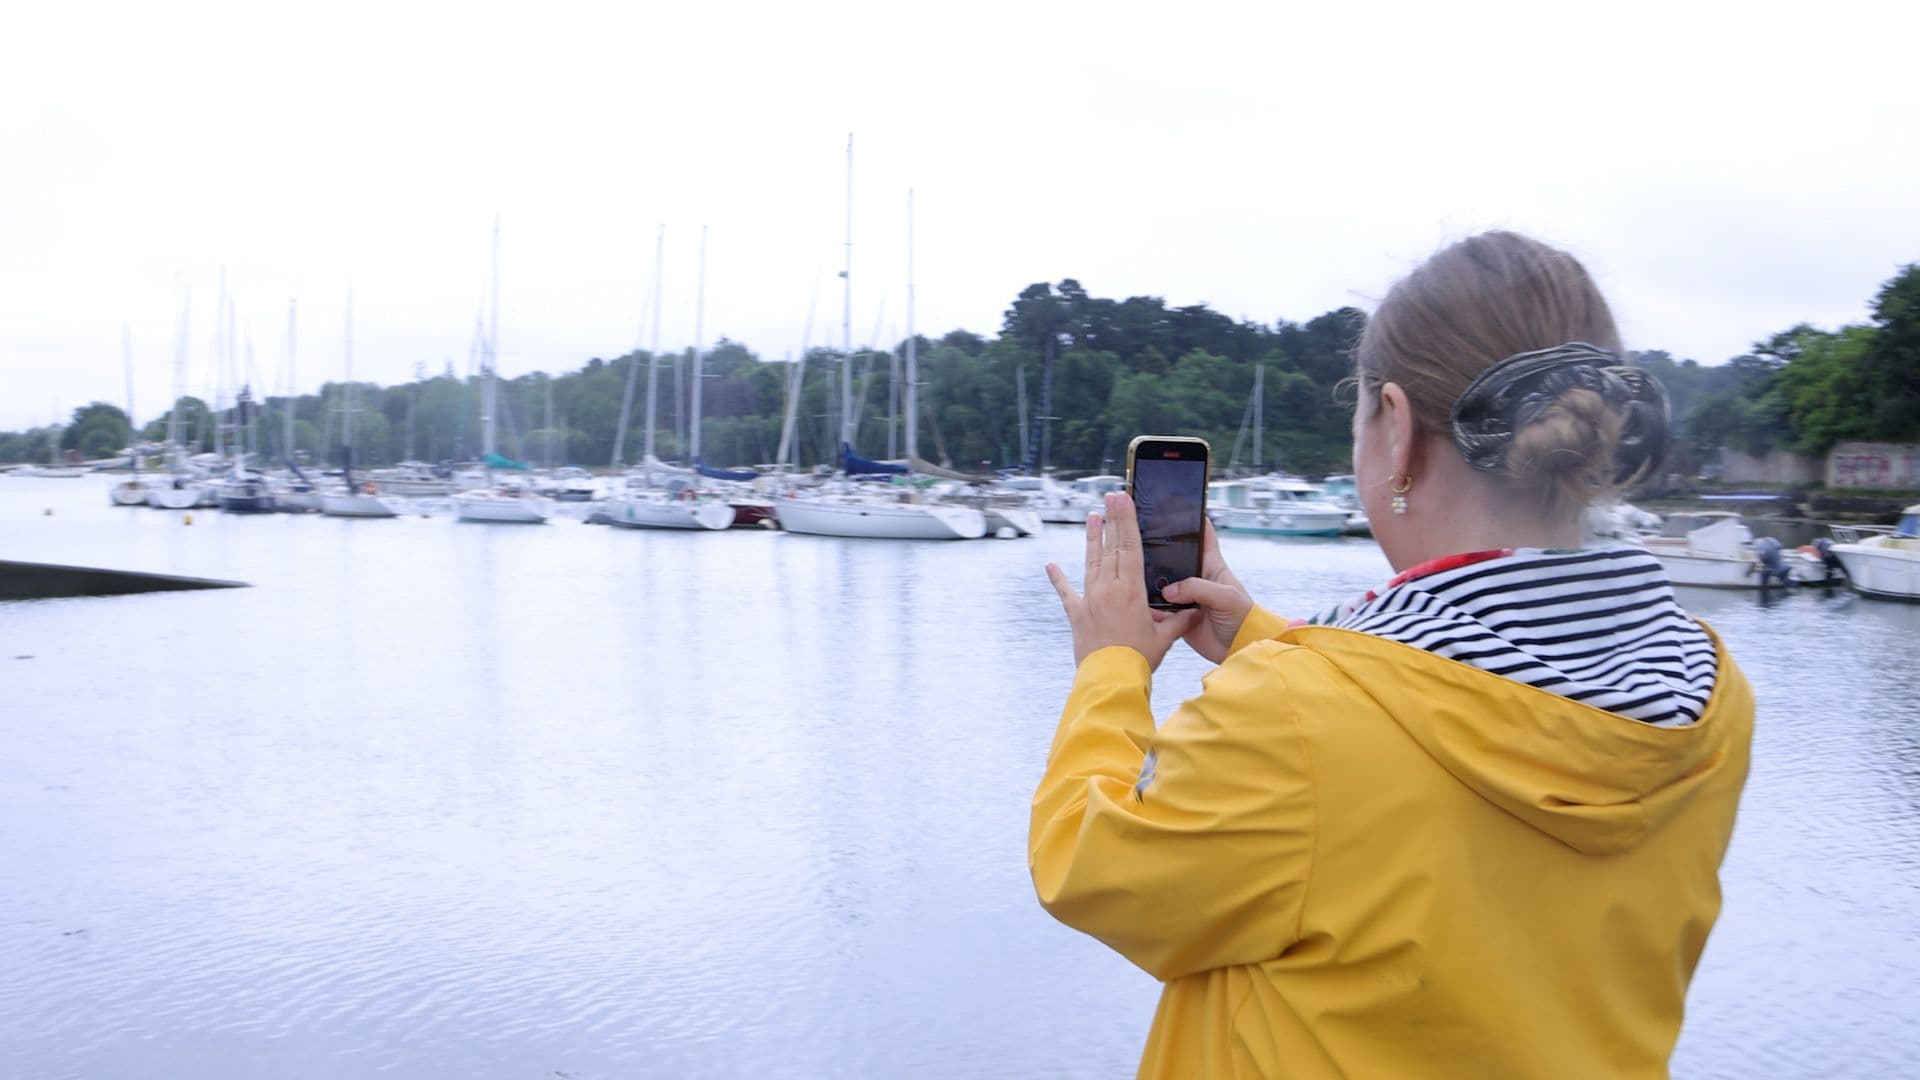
<point>1354,858</point>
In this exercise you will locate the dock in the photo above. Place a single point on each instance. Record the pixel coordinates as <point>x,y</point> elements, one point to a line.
<point>48,581</point>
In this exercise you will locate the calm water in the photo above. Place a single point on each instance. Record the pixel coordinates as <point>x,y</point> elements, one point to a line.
<point>467,801</point>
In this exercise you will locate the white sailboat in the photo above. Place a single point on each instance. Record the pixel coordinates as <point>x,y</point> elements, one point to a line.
<point>849,509</point>
<point>658,495</point>
<point>183,489</point>
<point>293,493</point>
<point>861,514</point>
<point>132,491</point>
<point>352,499</point>
<point>498,503</point>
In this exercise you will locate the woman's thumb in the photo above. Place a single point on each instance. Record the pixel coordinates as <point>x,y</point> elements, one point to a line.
<point>1195,590</point>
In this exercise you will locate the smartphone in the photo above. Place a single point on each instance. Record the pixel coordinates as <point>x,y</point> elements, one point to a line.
<point>1167,477</point>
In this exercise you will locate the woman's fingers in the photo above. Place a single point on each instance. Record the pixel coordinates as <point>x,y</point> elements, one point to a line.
<point>1176,626</point>
<point>1096,530</point>
<point>1212,595</point>
<point>1068,598</point>
<point>1128,564</point>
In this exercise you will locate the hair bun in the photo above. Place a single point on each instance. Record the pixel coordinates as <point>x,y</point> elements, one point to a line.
<point>1515,393</point>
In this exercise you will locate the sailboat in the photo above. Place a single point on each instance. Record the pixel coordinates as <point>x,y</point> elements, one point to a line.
<point>293,493</point>
<point>497,503</point>
<point>676,502</point>
<point>855,510</point>
<point>182,490</point>
<point>132,491</point>
<point>358,500</point>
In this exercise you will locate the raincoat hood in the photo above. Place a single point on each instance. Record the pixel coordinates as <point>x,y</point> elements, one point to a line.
<point>1597,782</point>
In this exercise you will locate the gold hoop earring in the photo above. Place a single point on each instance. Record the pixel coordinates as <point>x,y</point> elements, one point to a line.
<point>1401,485</point>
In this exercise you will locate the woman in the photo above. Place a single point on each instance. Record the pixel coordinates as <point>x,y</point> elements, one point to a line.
<point>1469,824</point>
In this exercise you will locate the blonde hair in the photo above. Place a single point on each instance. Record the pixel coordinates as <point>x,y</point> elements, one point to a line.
<point>1484,300</point>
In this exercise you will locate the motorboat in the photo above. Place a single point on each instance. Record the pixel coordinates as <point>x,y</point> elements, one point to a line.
<point>413,479</point>
<point>570,483</point>
<point>1274,506</point>
<point>753,512</point>
<point>1069,504</point>
<point>1882,564</point>
<point>1604,522</point>
<point>1344,491</point>
<point>1708,548</point>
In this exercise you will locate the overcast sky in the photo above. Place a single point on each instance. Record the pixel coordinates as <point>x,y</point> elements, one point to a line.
<point>1726,170</point>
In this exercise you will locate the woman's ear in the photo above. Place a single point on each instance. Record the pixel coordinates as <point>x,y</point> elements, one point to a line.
<point>1396,413</point>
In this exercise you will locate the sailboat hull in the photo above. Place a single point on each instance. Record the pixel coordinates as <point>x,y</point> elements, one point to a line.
<point>877,520</point>
<point>344,504</point>
<point>644,513</point>
<point>484,506</point>
<point>170,497</point>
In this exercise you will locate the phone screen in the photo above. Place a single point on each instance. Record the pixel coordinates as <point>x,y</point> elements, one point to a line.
<point>1168,496</point>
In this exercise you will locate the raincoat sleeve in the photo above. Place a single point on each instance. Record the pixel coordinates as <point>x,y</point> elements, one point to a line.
<point>1187,848</point>
<point>1259,625</point>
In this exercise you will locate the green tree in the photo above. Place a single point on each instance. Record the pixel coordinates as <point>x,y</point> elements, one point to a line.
<point>1826,389</point>
<point>1893,358</point>
<point>98,431</point>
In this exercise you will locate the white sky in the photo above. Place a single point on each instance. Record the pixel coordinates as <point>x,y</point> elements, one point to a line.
<point>1726,170</point>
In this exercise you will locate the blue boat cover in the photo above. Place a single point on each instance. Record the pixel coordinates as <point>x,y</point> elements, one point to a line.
<point>712,473</point>
<point>855,465</point>
<point>495,461</point>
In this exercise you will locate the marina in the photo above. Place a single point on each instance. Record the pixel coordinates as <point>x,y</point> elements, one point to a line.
<point>440,799</point>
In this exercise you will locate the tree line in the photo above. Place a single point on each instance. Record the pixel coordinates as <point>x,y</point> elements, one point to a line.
<point>1065,383</point>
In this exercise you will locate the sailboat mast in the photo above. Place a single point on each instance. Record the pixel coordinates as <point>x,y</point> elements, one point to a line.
<point>292,386</point>
<point>126,362</point>
<point>211,438</point>
<point>626,398</point>
<point>248,414</point>
<point>180,346</point>
<point>1259,409</point>
<point>234,446</point>
<point>488,392</point>
<point>346,388</point>
<point>699,343</point>
<point>796,382</point>
<point>653,350</point>
<point>846,316</point>
<point>912,396</point>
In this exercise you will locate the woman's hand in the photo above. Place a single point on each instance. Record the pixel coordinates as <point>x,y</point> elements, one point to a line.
<point>1114,610</point>
<point>1223,601</point>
